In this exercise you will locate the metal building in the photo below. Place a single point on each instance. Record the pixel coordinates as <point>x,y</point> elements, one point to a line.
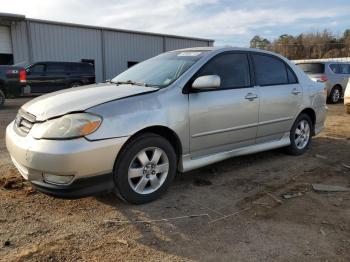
<point>25,41</point>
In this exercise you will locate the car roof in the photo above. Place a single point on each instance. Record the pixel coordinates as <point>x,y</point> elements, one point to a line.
<point>225,48</point>
<point>322,62</point>
<point>60,62</point>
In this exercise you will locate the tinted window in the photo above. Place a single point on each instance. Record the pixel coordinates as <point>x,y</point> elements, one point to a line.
<point>85,68</point>
<point>55,68</point>
<point>335,68</point>
<point>291,76</point>
<point>71,68</point>
<point>233,70</point>
<point>345,69</point>
<point>269,70</point>
<point>312,68</point>
<point>37,69</point>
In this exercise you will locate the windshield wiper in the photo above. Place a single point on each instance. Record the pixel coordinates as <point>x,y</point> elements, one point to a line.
<point>129,82</point>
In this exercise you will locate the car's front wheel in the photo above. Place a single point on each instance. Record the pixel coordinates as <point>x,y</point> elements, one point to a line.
<point>300,135</point>
<point>145,169</point>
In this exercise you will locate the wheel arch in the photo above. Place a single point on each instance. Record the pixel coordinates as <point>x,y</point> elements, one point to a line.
<point>312,114</point>
<point>162,131</point>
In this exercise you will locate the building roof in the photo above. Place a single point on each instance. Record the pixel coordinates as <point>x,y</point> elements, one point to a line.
<point>18,17</point>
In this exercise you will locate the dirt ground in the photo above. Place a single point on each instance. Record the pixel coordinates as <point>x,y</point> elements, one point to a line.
<point>261,224</point>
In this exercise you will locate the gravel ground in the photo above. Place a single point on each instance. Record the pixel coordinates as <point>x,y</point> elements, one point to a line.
<point>260,225</point>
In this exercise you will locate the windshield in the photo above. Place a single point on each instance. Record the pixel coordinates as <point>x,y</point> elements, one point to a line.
<point>159,71</point>
<point>312,68</point>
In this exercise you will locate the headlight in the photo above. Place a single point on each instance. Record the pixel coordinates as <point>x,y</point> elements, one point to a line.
<point>68,126</point>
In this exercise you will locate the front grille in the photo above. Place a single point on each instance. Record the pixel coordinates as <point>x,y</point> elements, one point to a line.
<point>24,122</point>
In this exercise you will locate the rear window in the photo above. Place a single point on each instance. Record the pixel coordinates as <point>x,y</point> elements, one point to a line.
<point>312,68</point>
<point>55,68</point>
<point>85,68</point>
<point>270,70</point>
<point>345,69</point>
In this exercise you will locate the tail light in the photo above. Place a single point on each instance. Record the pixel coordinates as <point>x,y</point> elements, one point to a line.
<point>12,72</point>
<point>23,76</point>
<point>322,78</point>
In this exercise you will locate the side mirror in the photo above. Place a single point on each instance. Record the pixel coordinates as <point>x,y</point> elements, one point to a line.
<point>208,82</point>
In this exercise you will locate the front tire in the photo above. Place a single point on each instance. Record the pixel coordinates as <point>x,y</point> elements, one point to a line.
<point>145,169</point>
<point>300,135</point>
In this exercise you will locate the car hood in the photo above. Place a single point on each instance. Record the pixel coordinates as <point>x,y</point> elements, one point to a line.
<point>80,99</point>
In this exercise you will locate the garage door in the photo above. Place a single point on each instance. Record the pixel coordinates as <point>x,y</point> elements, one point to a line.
<point>5,40</point>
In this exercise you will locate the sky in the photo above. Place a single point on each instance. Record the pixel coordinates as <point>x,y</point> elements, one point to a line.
<point>227,22</point>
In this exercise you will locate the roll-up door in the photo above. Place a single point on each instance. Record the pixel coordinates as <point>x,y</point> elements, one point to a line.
<point>5,40</point>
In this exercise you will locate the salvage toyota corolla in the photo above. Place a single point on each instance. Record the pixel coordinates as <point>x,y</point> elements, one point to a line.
<point>178,111</point>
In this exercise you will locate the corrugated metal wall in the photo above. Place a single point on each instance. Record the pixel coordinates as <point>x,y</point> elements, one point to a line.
<point>122,47</point>
<point>172,43</point>
<point>110,49</point>
<point>20,43</point>
<point>65,43</point>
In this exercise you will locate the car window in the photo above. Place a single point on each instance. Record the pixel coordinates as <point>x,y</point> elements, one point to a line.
<point>37,69</point>
<point>335,68</point>
<point>292,79</point>
<point>269,70</point>
<point>71,68</point>
<point>55,68</point>
<point>233,70</point>
<point>312,68</point>
<point>344,69</point>
<point>85,68</point>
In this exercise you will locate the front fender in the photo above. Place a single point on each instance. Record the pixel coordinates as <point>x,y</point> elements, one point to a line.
<point>125,117</point>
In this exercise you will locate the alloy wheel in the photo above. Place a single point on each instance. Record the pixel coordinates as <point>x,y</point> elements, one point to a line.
<point>336,95</point>
<point>148,170</point>
<point>302,134</point>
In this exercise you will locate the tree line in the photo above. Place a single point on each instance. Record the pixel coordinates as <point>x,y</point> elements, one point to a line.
<point>317,45</point>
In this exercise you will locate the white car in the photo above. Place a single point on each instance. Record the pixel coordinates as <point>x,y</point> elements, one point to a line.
<point>347,98</point>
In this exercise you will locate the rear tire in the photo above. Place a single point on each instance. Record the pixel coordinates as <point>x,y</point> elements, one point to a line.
<point>145,169</point>
<point>335,95</point>
<point>300,135</point>
<point>75,84</point>
<point>2,98</point>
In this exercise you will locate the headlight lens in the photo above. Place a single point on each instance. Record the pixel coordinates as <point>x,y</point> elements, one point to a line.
<point>68,126</point>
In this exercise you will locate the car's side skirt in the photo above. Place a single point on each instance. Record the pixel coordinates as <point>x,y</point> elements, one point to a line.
<point>188,163</point>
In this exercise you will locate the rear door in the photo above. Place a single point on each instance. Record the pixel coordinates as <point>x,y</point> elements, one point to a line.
<point>225,118</point>
<point>280,96</point>
<point>55,77</point>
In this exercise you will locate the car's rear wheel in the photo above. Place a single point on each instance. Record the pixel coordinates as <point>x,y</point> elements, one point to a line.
<point>335,95</point>
<point>300,135</point>
<point>2,98</point>
<point>145,169</point>
<point>75,84</point>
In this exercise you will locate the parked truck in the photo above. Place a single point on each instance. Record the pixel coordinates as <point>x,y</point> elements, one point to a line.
<point>12,81</point>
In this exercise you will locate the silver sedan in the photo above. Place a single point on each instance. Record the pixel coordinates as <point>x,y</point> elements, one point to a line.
<point>178,111</point>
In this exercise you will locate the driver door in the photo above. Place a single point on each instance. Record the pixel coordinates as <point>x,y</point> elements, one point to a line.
<point>225,118</point>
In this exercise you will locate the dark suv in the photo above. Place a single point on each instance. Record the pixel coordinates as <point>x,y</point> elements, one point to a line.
<point>45,77</point>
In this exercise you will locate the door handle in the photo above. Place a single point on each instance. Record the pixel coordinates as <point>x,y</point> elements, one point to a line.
<point>251,96</point>
<point>296,91</point>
